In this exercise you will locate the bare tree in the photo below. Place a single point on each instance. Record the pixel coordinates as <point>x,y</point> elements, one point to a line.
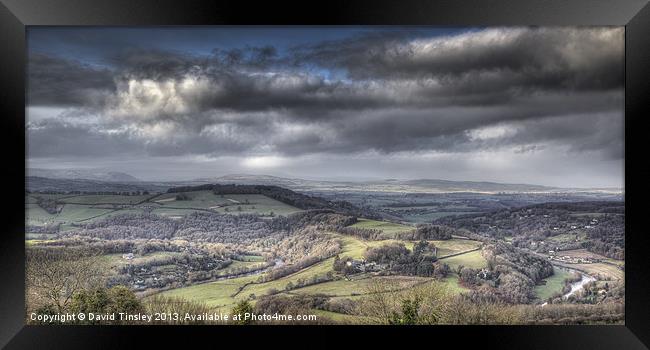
<point>385,302</point>
<point>54,275</point>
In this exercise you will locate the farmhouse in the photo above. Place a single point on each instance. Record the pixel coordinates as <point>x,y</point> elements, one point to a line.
<point>128,256</point>
<point>484,274</point>
<point>364,266</point>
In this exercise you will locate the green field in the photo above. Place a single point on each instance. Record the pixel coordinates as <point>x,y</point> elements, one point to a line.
<point>357,285</point>
<point>80,213</point>
<point>36,216</point>
<point>454,246</point>
<point>70,213</point>
<point>215,294</point>
<point>554,284</point>
<point>453,285</point>
<point>386,227</point>
<point>257,203</point>
<point>86,208</point>
<point>105,199</point>
<point>227,203</point>
<point>337,317</point>
<point>197,199</point>
<point>355,248</point>
<point>472,259</point>
<point>221,294</point>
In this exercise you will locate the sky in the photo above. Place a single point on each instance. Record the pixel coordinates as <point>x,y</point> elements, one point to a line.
<point>537,105</point>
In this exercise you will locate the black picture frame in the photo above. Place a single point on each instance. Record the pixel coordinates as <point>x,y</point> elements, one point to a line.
<point>15,15</point>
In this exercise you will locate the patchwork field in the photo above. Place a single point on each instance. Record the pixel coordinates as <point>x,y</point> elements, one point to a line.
<point>225,293</point>
<point>85,208</point>
<point>228,203</point>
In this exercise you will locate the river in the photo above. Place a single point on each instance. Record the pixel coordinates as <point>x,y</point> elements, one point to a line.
<point>575,286</point>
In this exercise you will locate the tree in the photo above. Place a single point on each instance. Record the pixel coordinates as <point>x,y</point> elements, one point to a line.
<point>123,300</point>
<point>385,303</point>
<point>182,197</point>
<point>242,308</point>
<point>106,301</point>
<point>53,276</point>
<point>409,314</point>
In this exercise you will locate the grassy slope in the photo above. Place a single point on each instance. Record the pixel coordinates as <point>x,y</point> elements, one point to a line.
<point>103,199</point>
<point>249,203</point>
<point>215,294</point>
<point>386,227</point>
<point>472,259</point>
<point>219,294</point>
<point>78,213</point>
<point>35,215</point>
<point>168,206</point>
<point>554,284</point>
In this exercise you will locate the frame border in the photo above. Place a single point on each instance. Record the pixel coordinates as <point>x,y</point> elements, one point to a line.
<point>15,15</point>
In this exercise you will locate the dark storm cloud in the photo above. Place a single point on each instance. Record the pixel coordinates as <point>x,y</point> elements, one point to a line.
<point>556,58</point>
<point>384,93</point>
<point>60,82</point>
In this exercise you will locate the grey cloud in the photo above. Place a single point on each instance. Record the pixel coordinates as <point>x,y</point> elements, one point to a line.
<point>539,58</point>
<point>59,82</point>
<point>53,138</point>
<point>545,82</point>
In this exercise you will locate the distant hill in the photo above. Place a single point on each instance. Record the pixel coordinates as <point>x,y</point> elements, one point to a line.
<point>85,174</point>
<point>104,179</point>
<point>245,179</point>
<point>287,196</point>
<point>389,185</point>
<point>473,186</point>
<point>43,184</point>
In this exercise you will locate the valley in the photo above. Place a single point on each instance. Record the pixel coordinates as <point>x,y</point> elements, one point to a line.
<point>217,246</point>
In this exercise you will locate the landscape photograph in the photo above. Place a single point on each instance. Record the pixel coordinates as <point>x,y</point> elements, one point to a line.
<point>331,175</point>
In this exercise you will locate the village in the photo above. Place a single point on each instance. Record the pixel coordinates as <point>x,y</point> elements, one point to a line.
<point>568,259</point>
<point>160,273</point>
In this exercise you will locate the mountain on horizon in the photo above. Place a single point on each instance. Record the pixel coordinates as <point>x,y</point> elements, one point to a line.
<point>305,185</point>
<point>83,174</point>
<point>393,185</point>
<point>388,185</point>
